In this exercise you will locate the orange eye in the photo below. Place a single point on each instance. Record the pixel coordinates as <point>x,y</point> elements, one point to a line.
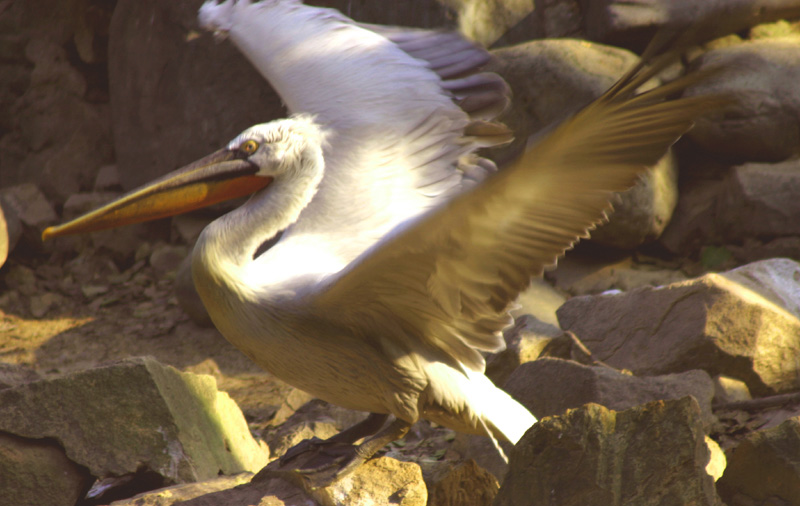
<point>249,147</point>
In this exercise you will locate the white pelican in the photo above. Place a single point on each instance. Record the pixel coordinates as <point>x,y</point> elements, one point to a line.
<point>392,274</point>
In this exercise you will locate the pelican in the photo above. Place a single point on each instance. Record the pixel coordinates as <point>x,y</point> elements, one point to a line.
<point>401,251</point>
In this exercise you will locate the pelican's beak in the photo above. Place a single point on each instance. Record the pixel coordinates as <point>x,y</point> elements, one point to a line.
<point>217,177</point>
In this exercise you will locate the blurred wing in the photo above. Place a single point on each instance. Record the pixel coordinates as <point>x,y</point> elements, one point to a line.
<point>449,277</point>
<point>399,106</point>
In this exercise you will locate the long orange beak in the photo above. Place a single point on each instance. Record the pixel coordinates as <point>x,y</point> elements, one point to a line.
<point>218,177</point>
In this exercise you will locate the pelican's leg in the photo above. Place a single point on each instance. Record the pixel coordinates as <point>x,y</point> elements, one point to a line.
<point>364,428</point>
<point>328,463</point>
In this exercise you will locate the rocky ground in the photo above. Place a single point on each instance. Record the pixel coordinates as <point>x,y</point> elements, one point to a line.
<point>661,358</point>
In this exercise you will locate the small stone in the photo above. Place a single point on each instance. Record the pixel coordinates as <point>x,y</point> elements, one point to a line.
<point>29,204</point>
<point>727,389</point>
<point>41,304</point>
<point>716,460</point>
<point>107,179</point>
<point>166,258</point>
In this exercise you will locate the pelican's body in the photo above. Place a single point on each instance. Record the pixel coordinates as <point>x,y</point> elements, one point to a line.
<point>382,162</point>
<point>398,258</point>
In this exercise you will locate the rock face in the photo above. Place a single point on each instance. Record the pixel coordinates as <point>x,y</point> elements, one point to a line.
<point>649,455</point>
<point>551,386</point>
<point>765,468</point>
<point>175,424</point>
<point>743,323</point>
<point>35,472</point>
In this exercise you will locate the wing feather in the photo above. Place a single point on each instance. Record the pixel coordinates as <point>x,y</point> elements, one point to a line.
<point>452,274</point>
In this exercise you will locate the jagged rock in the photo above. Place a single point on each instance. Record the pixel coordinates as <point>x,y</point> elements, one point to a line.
<point>29,204</point>
<point>649,455</point>
<point>551,386</point>
<point>185,491</point>
<point>760,200</point>
<point>694,221</point>
<point>764,123</point>
<point>34,472</point>
<point>631,23</point>
<point>527,340</point>
<point>462,484</point>
<point>765,468</point>
<point>742,323</point>
<point>175,424</point>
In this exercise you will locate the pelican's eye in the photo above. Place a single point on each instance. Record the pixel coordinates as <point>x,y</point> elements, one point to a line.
<point>249,147</point>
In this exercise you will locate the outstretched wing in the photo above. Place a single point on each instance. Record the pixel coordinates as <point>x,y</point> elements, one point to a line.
<point>400,108</point>
<point>448,277</point>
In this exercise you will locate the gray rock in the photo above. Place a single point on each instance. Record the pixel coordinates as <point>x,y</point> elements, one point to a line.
<point>764,123</point>
<point>760,200</point>
<point>694,221</point>
<point>172,423</point>
<point>34,472</point>
<point>649,455</point>
<point>551,386</point>
<point>742,323</point>
<point>764,468</point>
<point>107,179</point>
<point>631,23</point>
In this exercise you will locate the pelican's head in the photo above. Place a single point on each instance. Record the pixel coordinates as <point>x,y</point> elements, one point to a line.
<point>248,163</point>
<point>286,146</point>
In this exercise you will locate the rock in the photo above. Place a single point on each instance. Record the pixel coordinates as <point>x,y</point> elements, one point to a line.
<point>167,257</point>
<point>648,455</point>
<point>550,19</point>
<point>764,468</point>
<point>631,23</point>
<point>527,340</point>
<point>185,491</point>
<point>727,389</point>
<point>107,179</point>
<point>550,80</point>
<point>293,431</point>
<point>716,460</point>
<point>485,22</point>
<point>29,204</point>
<point>764,123</point>
<point>187,295</point>
<point>35,472</point>
<point>742,323</point>
<point>760,200</point>
<point>174,424</point>
<point>551,386</point>
<point>378,481</point>
<point>694,221</point>
<point>463,484</point>
<point>642,213</point>
<point>12,375</point>
<point>591,270</point>
<point>267,491</point>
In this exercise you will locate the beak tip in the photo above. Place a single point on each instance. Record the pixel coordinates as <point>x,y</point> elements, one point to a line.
<point>48,233</point>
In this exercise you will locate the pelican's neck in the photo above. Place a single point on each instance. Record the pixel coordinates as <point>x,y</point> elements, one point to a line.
<point>228,245</point>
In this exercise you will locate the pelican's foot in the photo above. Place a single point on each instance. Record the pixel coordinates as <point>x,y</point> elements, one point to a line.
<point>320,462</point>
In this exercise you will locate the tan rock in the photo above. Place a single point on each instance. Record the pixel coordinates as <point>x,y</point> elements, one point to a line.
<point>649,455</point>
<point>463,484</point>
